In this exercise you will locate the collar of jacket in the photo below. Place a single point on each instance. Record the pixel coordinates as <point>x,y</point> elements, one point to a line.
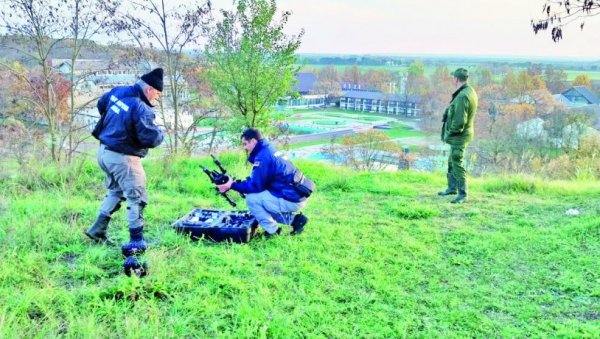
<point>141,94</point>
<point>262,143</point>
<point>458,90</point>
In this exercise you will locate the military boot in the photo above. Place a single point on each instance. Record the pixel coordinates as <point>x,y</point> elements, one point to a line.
<point>451,186</point>
<point>274,234</point>
<point>98,230</point>
<point>134,266</point>
<point>462,192</point>
<point>298,224</point>
<point>137,243</point>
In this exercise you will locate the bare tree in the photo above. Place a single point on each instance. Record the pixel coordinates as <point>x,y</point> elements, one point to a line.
<point>353,76</point>
<point>369,151</point>
<point>48,26</point>
<point>555,79</point>
<point>381,80</point>
<point>87,19</point>
<point>172,29</point>
<point>559,13</point>
<point>438,98</point>
<point>42,25</point>
<point>329,82</point>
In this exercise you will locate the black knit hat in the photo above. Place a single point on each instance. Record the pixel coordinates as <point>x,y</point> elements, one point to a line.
<point>154,78</point>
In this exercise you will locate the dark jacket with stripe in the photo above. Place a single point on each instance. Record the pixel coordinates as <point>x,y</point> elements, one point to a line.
<point>128,125</point>
<point>271,171</point>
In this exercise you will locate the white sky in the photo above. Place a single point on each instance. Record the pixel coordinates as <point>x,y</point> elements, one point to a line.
<point>448,27</point>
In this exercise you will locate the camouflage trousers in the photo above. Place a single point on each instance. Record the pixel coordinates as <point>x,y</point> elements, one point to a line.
<point>456,162</point>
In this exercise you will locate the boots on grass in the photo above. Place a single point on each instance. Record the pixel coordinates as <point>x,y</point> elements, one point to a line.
<point>462,192</point>
<point>451,186</point>
<point>137,244</point>
<point>98,230</point>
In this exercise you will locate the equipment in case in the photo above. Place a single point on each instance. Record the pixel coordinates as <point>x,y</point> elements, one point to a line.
<point>236,226</point>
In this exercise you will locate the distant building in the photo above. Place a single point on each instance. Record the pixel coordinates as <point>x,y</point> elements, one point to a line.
<point>308,98</point>
<point>523,99</point>
<point>101,66</point>
<point>578,96</point>
<point>561,99</point>
<point>82,66</point>
<point>379,102</point>
<point>101,74</point>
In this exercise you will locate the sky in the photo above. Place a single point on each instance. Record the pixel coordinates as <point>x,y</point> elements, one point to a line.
<point>432,27</point>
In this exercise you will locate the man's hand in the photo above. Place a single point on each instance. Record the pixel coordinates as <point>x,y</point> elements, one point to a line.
<point>226,186</point>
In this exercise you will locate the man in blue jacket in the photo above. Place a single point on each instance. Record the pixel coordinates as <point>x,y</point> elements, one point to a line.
<point>271,195</point>
<point>126,130</point>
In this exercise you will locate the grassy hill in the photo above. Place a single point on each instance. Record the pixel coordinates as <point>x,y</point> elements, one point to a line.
<point>382,256</point>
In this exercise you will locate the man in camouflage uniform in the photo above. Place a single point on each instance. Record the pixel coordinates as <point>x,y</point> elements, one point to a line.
<point>458,131</point>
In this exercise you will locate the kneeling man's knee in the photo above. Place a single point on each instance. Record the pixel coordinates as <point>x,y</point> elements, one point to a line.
<point>252,198</point>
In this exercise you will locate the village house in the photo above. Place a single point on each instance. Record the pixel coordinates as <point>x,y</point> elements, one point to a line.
<point>577,96</point>
<point>99,75</point>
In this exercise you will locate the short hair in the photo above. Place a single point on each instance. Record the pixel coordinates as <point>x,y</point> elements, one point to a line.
<point>461,74</point>
<point>251,133</point>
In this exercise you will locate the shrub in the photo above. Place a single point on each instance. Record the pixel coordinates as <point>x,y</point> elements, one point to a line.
<point>560,168</point>
<point>341,184</point>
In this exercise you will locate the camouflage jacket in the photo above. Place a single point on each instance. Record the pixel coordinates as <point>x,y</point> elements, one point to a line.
<point>459,117</point>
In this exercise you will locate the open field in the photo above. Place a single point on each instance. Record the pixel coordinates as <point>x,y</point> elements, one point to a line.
<point>382,256</point>
<point>331,119</point>
<point>429,70</point>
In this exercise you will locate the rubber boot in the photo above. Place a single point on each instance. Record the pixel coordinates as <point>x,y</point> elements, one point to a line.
<point>134,266</point>
<point>451,186</point>
<point>462,192</point>
<point>98,230</point>
<point>136,245</point>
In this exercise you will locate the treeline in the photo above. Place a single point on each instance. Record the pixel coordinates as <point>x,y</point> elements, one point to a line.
<point>13,46</point>
<point>355,60</point>
<point>433,61</point>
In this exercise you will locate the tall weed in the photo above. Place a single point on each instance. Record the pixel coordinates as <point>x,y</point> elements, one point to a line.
<point>511,185</point>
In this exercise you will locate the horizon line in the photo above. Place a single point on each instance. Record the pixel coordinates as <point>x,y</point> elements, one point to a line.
<point>458,56</point>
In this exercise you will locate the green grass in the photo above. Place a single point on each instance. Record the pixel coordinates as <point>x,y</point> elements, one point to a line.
<point>572,74</point>
<point>399,130</point>
<point>344,116</point>
<point>382,256</point>
<point>330,122</point>
<point>310,143</point>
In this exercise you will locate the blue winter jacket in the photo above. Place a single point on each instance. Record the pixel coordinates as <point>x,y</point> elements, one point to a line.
<point>270,171</point>
<point>129,123</point>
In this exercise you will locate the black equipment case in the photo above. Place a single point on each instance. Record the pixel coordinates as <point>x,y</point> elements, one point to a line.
<point>236,226</point>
